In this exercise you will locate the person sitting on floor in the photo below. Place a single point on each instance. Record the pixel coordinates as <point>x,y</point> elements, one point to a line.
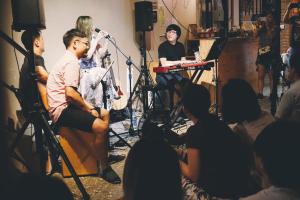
<point>152,171</point>
<point>277,155</point>
<point>35,187</point>
<point>217,159</point>
<point>240,107</point>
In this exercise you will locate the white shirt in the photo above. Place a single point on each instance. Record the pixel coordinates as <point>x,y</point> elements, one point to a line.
<point>274,193</point>
<point>289,105</point>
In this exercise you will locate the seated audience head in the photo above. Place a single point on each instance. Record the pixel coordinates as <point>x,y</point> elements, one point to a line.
<point>294,70</point>
<point>151,131</point>
<point>152,172</point>
<point>278,147</point>
<point>239,101</point>
<point>33,39</point>
<point>76,41</point>
<point>196,100</point>
<point>34,187</point>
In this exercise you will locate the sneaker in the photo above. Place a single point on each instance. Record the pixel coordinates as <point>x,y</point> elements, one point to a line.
<point>260,96</point>
<point>110,176</point>
<point>115,158</point>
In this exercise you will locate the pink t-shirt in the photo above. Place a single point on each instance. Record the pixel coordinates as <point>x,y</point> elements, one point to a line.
<point>64,73</point>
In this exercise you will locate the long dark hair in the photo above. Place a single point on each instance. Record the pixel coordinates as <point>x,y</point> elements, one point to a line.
<point>239,101</point>
<point>278,146</point>
<point>152,172</point>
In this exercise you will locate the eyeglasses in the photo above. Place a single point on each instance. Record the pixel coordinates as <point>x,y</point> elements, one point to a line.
<point>86,43</point>
<point>172,31</point>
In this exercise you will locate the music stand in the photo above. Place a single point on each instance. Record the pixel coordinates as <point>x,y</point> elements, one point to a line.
<point>214,54</point>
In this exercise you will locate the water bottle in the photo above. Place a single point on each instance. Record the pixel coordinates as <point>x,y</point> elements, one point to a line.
<point>134,120</point>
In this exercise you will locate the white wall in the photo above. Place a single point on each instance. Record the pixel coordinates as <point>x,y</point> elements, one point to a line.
<point>8,65</point>
<point>114,16</point>
<point>185,13</point>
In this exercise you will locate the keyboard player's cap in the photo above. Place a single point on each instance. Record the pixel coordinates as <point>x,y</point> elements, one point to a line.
<point>175,28</point>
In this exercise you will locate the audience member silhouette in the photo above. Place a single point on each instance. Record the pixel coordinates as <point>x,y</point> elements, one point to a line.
<point>240,106</point>
<point>217,163</point>
<point>36,187</point>
<point>277,154</point>
<point>152,171</point>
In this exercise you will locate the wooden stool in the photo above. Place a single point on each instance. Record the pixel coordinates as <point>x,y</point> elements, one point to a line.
<point>76,145</point>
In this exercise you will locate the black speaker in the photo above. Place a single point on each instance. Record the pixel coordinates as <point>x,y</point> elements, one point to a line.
<point>28,14</point>
<point>143,16</point>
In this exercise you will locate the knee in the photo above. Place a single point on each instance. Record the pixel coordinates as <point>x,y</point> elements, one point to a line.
<point>100,127</point>
<point>104,113</point>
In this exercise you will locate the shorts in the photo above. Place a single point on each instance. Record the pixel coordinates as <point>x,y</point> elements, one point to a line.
<point>265,60</point>
<point>74,117</point>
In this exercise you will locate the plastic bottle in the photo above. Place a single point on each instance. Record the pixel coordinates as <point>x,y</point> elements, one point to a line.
<point>134,120</point>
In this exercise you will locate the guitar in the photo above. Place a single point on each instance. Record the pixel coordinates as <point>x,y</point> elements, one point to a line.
<point>119,100</point>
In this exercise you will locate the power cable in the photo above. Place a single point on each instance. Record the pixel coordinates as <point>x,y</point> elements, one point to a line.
<point>12,35</point>
<point>176,18</point>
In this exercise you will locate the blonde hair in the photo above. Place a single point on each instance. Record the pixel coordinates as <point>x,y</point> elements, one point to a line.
<point>85,25</point>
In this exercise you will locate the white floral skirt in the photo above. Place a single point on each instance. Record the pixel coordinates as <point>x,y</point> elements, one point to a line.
<point>192,191</point>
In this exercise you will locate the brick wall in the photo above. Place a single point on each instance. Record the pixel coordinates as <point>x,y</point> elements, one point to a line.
<point>284,35</point>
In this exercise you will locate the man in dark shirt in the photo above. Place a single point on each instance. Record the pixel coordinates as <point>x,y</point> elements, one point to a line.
<point>217,159</point>
<point>26,83</point>
<point>171,52</point>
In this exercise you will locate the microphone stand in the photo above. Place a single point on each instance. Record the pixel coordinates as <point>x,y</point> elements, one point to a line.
<point>129,63</point>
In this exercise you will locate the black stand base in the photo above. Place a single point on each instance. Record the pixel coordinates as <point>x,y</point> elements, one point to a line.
<point>39,120</point>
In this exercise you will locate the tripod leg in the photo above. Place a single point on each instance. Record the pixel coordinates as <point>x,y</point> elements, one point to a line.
<point>19,136</point>
<point>40,147</point>
<point>120,138</point>
<point>15,144</point>
<point>54,155</point>
<point>51,136</point>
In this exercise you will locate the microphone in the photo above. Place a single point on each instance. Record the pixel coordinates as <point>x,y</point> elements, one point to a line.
<point>99,30</point>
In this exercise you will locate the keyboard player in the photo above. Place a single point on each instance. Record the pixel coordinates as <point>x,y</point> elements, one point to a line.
<point>171,52</point>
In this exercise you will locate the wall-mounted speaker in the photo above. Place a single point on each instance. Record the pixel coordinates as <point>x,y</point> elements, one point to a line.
<point>143,16</point>
<point>28,14</point>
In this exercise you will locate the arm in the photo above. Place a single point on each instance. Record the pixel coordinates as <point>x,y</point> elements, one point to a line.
<point>286,15</point>
<point>95,46</point>
<point>192,168</point>
<point>102,49</point>
<point>165,62</point>
<point>42,74</point>
<point>285,106</point>
<point>43,94</point>
<point>71,78</point>
<point>74,97</point>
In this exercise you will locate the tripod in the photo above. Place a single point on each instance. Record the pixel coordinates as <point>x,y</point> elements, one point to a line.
<point>36,115</point>
<point>144,81</point>
<point>142,73</point>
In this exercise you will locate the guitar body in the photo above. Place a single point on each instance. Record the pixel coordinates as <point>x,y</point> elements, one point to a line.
<point>119,102</point>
